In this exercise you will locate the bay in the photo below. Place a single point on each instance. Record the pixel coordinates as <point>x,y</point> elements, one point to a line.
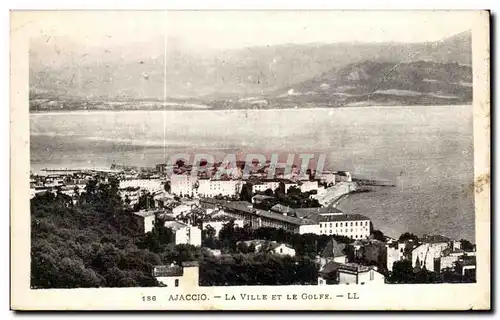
<point>426,151</point>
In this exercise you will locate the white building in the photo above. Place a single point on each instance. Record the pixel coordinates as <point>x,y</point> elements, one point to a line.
<point>424,254</point>
<point>132,193</point>
<point>308,186</point>
<point>185,233</point>
<point>272,247</point>
<point>264,185</point>
<point>333,251</point>
<point>398,251</point>
<point>354,226</point>
<point>212,188</point>
<point>174,276</point>
<point>272,184</point>
<point>183,185</point>
<point>356,274</point>
<point>343,176</point>
<point>147,218</point>
<point>182,209</point>
<point>309,227</point>
<point>349,274</point>
<point>283,249</point>
<point>150,185</point>
<point>326,177</point>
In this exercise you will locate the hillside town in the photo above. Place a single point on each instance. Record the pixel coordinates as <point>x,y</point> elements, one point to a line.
<point>237,214</point>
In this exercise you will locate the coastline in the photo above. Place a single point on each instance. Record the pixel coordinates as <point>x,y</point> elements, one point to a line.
<point>76,112</point>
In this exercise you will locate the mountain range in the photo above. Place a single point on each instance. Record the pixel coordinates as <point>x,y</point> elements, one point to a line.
<point>288,75</point>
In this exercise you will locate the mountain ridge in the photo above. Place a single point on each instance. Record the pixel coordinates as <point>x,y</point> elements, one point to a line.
<point>127,74</point>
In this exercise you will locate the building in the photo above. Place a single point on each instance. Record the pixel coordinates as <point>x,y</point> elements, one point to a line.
<point>398,251</point>
<point>185,233</point>
<point>466,266</point>
<point>284,210</point>
<point>426,254</point>
<point>273,184</point>
<point>264,185</point>
<point>183,185</point>
<point>212,188</point>
<point>255,218</point>
<point>131,193</point>
<point>146,219</point>
<point>261,198</point>
<point>328,221</point>
<point>448,258</point>
<point>349,273</point>
<point>333,251</point>
<point>357,274</point>
<point>308,186</point>
<point>283,249</point>
<point>342,176</point>
<point>271,247</point>
<point>354,226</point>
<point>218,220</point>
<point>150,185</point>
<point>175,276</point>
<point>182,209</point>
<point>326,177</point>
<point>162,199</point>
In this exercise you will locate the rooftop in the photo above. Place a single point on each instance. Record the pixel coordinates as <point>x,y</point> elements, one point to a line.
<point>448,251</point>
<point>247,207</point>
<point>175,225</point>
<point>146,213</point>
<point>343,217</point>
<point>167,271</point>
<point>435,239</point>
<point>262,197</point>
<point>262,181</point>
<point>281,208</point>
<point>316,214</point>
<point>218,217</point>
<point>333,266</point>
<point>333,249</point>
<point>467,261</point>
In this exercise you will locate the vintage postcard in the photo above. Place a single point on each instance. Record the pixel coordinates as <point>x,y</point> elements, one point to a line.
<point>250,160</point>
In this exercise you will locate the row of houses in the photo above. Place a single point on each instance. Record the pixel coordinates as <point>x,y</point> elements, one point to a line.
<point>325,220</point>
<point>184,233</point>
<point>434,253</point>
<point>188,185</point>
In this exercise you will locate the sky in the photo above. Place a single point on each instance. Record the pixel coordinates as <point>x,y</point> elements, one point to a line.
<point>236,29</point>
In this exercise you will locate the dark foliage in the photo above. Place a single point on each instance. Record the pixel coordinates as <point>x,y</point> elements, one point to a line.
<point>408,236</point>
<point>87,245</point>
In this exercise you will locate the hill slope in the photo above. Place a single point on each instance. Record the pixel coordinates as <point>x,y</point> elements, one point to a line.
<point>60,66</point>
<point>372,83</point>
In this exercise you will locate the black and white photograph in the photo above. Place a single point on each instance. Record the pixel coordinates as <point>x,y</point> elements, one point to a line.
<point>183,150</point>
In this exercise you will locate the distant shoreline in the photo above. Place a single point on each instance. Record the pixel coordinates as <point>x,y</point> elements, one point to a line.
<point>61,112</point>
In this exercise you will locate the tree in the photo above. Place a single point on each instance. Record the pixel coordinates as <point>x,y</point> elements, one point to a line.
<point>408,236</point>
<point>85,245</point>
<point>466,245</point>
<point>425,276</point>
<point>269,192</point>
<point>180,163</point>
<point>280,192</point>
<point>242,247</point>
<point>378,235</point>
<point>402,272</point>
<point>294,190</point>
<point>209,232</point>
<point>127,200</point>
<point>167,186</point>
<point>146,201</point>
<point>246,192</point>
